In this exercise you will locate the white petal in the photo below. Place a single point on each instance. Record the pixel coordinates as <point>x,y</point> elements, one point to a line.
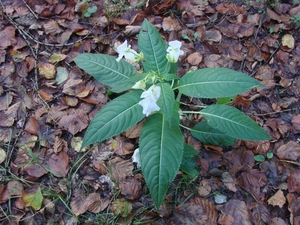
<point>175,44</point>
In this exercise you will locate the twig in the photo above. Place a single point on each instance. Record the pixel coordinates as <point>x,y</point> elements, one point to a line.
<point>33,13</point>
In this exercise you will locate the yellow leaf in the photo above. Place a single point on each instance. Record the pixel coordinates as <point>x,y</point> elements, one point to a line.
<point>33,197</point>
<point>288,41</point>
<point>55,58</point>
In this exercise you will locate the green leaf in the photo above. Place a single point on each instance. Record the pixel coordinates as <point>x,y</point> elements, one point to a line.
<point>270,155</point>
<point>259,158</point>
<point>154,49</point>
<point>117,116</point>
<point>208,135</point>
<point>225,100</point>
<point>166,99</point>
<point>188,164</point>
<point>161,148</point>
<point>92,9</point>
<point>107,70</point>
<point>233,122</point>
<point>215,83</point>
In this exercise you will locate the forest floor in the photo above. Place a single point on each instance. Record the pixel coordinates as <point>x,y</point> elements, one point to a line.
<point>47,102</point>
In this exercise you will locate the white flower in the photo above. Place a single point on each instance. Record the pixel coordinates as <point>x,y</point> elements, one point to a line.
<point>136,158</point>
<point>174,51</point>
<point>149,102</point>
<point>139,85</point>
<point>126,51</point>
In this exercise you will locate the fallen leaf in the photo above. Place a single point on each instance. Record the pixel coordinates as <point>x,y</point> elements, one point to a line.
<point>95,204</point>
<point>8,116</point>
<point>121,207</point>
<point>170,24</point>
<point>61,75</point>
<point>52,27</point>
<point>33,197</point>
<point>296,122</point>
<point>4,194</point>
<point>32,126</point>
<point>290,151</point>
<point>47,70</point>
<point>294,181</point>
<point>7,37</point>
<point>59,164</point>
<point>229,181</point>
<point>77,202</point>
<point>2,155</point>
<point>288,41</point>
<point>131,188</point>
<point>280,18</point>
<point>120,168</point>
<point>194,58</point>
<point>277,199</point>
<point>122,146</point>
<point>204,188</point>
<point>202,212</point>
<point>239,211</point>
<point>277,221</point>
<point>213,35</point>
<point>34,171</point>
<point>15,188</point>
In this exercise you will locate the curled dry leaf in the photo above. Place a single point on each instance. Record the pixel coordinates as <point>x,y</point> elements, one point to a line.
<point>278,199</point>
<point>120,168</point>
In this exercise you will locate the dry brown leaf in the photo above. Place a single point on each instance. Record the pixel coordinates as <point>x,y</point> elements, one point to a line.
<point>52,27</point>
<point>95,204</point>
<point>120,168</point>
<point>294,181</point>
<point>15,188</point>
<point>77,202</point>
<point>204,188</point>
<point>194,58</point>
<point>34,171</point>
<point>122,146</point>
<point>225,219</point>
<point>131,188</point>
<point>8,116</point>
<point>229,181</point>
<point>239,211</point>
<point>135,131</point>
<point>3,155</point>
<point>7,37</point>
<point>202,212</point>
<point>296,122</point>
<point>280,18</point>
<point>73,123</point>
<point>170,24</point>
<point>32,126</point>
<point>277,221</point>
<point>290,151</point>
<point>45,95</point>
<point>59,164</point>
<point>278,199</point>
<point>213,35</point>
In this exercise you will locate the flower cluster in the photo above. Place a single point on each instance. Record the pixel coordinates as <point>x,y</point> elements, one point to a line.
<point>174,51</point>
<point>130,54</point>
<point>149,102</point>
<point>151,95</point>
